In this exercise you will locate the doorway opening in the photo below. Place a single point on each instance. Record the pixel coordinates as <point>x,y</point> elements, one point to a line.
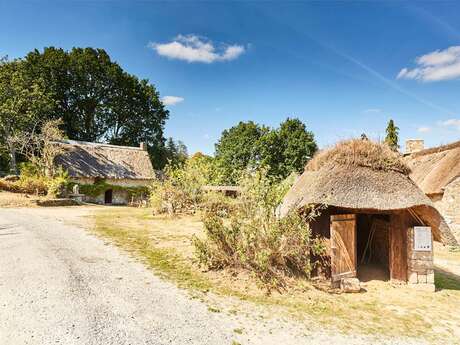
<point>108,196</point>
<point>373,247</point>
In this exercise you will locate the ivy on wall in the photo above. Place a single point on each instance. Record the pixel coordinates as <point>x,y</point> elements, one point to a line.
<point>101,186</point>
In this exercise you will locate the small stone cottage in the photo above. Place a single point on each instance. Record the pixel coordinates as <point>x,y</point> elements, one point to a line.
<point>107,174</point>
<point>375,221</point>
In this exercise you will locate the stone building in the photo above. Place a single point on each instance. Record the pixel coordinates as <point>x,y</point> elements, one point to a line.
<point>374,220</point>
<point>107,174</point>
<point>437,172</point>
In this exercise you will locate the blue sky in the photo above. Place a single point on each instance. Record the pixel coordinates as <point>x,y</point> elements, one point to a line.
<point>341,67</point>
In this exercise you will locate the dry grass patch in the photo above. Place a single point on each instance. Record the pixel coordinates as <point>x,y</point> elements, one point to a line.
<point>164,244</point>
<point>8,199</point>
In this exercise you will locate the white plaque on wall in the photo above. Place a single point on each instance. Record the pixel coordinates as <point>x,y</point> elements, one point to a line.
<point>422,238</point>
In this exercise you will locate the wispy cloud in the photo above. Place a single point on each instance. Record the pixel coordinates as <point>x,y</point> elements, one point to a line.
<point>372,111</point>
<point>172,100</point>
<point>424,129</point>
<point>193,48</point>
<point>451,123</point>
<point>435,66</point>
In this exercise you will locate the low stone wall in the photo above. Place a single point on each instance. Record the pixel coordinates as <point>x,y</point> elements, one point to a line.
<point>420,267</point>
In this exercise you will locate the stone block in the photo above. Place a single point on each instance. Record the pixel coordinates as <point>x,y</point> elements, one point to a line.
<point>350,285</point>
<point>421,278</point>
<point>430,278</point>
<point>413,278</point>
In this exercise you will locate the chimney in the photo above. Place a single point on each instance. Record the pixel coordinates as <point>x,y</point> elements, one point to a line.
<point>414,145</point>
<point>143,146</point>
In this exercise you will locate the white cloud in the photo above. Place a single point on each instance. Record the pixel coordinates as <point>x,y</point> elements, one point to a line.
<point>192,48</point>
<point>435,66</point>
<point>423,129</point>
<point>451,123</point>
<point>172,100</point>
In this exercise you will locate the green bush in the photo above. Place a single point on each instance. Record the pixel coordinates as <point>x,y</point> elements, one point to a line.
<point>58,184</point>
<point>255,239</point>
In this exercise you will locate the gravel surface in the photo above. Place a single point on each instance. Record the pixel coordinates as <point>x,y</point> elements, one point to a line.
<point>61,285</point>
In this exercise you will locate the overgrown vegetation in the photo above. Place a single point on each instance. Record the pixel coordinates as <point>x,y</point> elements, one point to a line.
<point>255,239</point>
<point>181,188</point>
<point>100,186</point>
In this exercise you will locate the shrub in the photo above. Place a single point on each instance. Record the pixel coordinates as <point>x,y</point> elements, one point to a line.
<point>181,189</point>
<point>58,184</point>
<point>255,239</point>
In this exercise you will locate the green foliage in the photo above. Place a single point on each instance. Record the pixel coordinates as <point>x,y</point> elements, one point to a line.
<point>392,137</point>
<point>181,189</point>
<point>286,149</point>
<point>58,184</point>
<point>255,239</point>
<point>23,101</point>
<point>31,181</point>
<point>176,152</point>
<point>247,146</point>
<point>97,100</point>
<point>100,186</point>
<point>235,150</point>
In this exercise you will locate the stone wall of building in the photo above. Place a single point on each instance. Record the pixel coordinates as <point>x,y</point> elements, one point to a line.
<point>119,197</point>
<point>414,145</point>
<point>420,267</point>
<point>449,206</point>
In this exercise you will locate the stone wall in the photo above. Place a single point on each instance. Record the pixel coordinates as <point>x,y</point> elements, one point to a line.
<point>420,267</point>
<point>119,197</point>
<point>449,206</point>
<point>414,145</point>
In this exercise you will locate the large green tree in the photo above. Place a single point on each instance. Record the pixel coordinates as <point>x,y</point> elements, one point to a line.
<point>98,101</point>
<point>23,101</point>
<point>236,149</point>
<point>282,150</point>
<point>392,136</point>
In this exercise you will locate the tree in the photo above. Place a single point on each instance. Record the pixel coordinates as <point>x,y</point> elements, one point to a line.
<point>98,101</point>
<point>392,137</point>
<point>176,152</point>
<point>282,151</point>
<point>39,146</point>
<point>235,150</point>
<point>22,102</point>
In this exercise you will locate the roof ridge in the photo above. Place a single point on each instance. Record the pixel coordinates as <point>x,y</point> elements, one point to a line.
<point>436,149</point>
<point>89,143</point>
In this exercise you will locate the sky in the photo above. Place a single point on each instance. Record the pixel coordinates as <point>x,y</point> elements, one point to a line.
<point>343,68</point>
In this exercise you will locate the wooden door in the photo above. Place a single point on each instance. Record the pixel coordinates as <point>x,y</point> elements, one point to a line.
<point>343,246</point>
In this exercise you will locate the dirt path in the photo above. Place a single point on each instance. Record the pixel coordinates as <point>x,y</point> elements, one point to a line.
<point>61,285</point>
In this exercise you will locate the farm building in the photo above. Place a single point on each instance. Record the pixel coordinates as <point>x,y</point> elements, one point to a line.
<point>374,219</point>
<point>106,174</point>
<point>437,172</point>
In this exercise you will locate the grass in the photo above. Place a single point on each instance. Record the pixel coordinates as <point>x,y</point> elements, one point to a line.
<point>165,246</point>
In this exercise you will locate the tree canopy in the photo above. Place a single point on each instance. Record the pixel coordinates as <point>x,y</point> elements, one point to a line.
<point>392,136</point>
<point>23,101</point>
<point>281,150</point>
<point>97,100</point>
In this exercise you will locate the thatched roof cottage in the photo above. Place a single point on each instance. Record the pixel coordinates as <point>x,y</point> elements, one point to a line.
<point>375,218</point>
<point>437,172</point>
<point>117,171</point>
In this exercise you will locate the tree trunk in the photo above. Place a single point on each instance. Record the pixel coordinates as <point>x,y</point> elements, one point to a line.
<point>13,163</point>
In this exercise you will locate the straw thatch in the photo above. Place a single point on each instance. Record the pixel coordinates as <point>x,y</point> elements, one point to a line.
<point>92,160</point>
<point>434,168</point>
<point>360,174</point>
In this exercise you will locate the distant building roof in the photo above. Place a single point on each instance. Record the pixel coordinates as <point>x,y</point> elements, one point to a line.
<point>86,159</point>
<point>434,168</point>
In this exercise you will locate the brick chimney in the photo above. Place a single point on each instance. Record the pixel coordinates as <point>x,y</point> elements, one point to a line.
<point>414,145</point>
<point>143,146</point>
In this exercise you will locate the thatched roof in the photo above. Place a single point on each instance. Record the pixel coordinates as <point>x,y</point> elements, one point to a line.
<point>360,174</point>
<point>84,159</point>
<point>434,168</point>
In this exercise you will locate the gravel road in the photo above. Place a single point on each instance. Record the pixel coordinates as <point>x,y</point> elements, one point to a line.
<point>61,285</point>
